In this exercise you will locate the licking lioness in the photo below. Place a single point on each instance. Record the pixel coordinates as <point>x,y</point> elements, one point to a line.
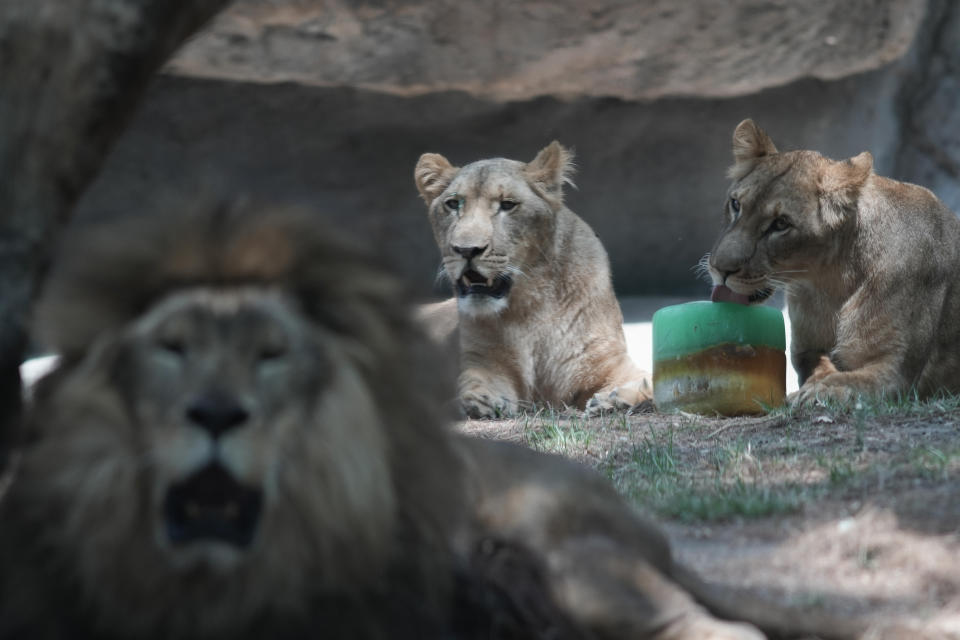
<point>869,266</point>
<point>244,440</point>
<point>538,319</point>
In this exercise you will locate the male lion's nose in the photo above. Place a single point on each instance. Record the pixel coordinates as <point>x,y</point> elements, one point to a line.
<point>216,412</point>
<point>468,252</point>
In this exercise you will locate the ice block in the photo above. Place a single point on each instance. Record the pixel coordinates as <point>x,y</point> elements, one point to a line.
<point>719,358</point>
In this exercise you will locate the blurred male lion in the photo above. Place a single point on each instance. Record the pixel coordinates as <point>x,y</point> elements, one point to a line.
<point>538,319</point>
<point>244,440</point>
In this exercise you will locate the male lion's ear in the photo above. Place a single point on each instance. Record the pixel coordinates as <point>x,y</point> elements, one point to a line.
<point>550,169</point>
<point>841,182</point>
<point>750,142</point>
<point>433,174</point>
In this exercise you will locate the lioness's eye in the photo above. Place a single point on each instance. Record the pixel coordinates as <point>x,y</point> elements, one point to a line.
<point>734,205</point>
<point>507,205</point>
<point>453,204</point>
<point>779,224</point>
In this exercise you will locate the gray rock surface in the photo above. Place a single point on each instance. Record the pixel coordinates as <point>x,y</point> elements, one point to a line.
<point>517,50</point>
<point>929,99</point>
<point>651,177</point>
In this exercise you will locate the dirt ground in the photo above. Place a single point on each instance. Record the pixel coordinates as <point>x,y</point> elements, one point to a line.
<point>856,513</point>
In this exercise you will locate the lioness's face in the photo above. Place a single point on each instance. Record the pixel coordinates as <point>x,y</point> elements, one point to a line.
<point>488,223</point>
<point>494,221</point>
<point>784,214</point>
<point>770,232</point>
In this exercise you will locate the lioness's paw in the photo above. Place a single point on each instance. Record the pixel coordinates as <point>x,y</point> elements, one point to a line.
<point>479,405</point>
<point>817,393</point>
<point>608,402</point>
<point>635,397</point>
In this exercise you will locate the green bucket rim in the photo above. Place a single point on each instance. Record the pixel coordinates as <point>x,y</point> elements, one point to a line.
<point>682,329</point>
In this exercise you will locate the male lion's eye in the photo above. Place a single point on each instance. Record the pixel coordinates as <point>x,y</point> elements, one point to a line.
<point>734,205</point>
<point>271,352</point>
<point>172,345</point>
<point>779,224</point>
<point>507,205</point>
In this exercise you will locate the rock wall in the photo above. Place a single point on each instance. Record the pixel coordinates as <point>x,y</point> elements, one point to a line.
<point>929,117</point>
<point>517,50</point>
<point>651,167</point>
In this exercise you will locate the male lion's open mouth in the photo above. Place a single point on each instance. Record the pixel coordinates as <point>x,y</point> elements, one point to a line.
<point>211,505</point>
<point>472,283</point>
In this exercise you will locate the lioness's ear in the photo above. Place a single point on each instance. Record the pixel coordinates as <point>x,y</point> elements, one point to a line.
<point>550,169</point>
<point>750,142</point>
<point>433,174</point>
<point>841,182</point>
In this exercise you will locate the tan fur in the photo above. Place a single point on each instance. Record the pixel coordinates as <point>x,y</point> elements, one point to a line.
<point>377,521</point>
<point>557,337</point>
<point>869,266</point>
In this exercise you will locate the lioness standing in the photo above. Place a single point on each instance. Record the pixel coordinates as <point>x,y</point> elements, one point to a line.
<point>869,265</point>
<point>538,319</point>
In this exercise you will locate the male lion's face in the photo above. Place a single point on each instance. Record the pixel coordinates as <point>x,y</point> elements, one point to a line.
<point>783,217</point>
<point>494,222</point>
<point>220,383</point>
<point>221,454</point>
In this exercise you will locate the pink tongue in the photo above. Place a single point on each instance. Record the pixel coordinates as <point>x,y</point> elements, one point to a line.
<point>722,293</point>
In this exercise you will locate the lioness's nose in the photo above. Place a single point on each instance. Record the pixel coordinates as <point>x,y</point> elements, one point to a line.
<point>727,274</point>
<point>216,412</point>
<point>468,252</point>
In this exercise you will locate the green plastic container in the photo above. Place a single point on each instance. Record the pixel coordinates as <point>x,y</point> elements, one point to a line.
<point>719,358</point>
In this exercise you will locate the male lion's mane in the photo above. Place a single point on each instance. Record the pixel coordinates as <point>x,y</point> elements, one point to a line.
<point>69,562</point>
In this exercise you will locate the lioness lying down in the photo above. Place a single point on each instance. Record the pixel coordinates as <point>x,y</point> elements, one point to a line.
<point>870,266</point>
<point>243,441</point>
<point>539,322</point>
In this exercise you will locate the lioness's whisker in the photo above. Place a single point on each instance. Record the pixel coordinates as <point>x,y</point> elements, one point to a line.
<point>516,271</point>
<point>441,275</point>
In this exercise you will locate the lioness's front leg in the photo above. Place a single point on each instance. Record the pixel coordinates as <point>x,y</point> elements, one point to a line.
<point>483,394</point>
<point>844,387</point>
<point>871,354</point>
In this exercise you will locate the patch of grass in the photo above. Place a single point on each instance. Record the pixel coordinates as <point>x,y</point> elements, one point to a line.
<point>553,432</point>
<point>691,468</point>
<point>740,499</point>
<point>903,404</point>
<point>867,556</point>
<point>655,478</point>
<point>934,463</point>
<point>841,472</point>
<point>809,600</point>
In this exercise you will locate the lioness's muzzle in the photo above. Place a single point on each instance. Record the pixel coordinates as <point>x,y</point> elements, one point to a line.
<point>472,283</point>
